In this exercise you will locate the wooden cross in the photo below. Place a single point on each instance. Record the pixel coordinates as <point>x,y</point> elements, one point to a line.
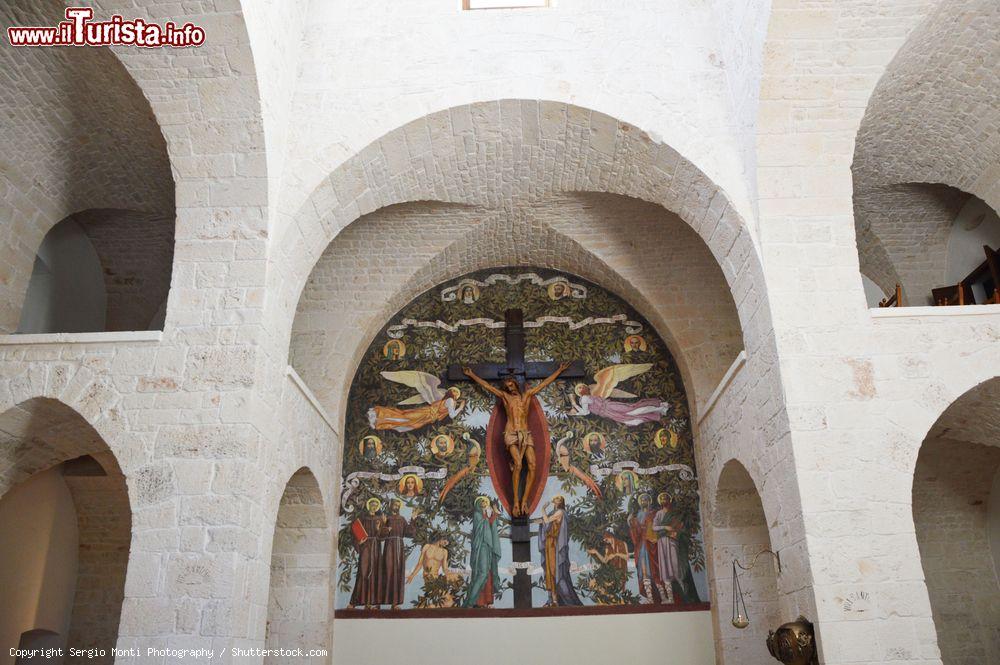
<point>515,366</point>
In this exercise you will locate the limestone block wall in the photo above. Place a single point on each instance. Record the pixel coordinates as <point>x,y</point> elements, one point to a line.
<point>903,233</point>
<point>861,390</point>
<point>740,531</point>
<point>104,521</point>
<point>175,409</point>
<point>657,65</point>
<point>951,495</point>
<point>383,259</point>
<point>193,466</point>
<point>70,156</point>
<point>299,611</point>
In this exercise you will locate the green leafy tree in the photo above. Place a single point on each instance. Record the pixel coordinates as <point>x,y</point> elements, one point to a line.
<point>431,348</point>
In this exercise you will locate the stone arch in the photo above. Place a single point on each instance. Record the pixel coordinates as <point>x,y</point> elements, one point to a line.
<point>954,479</point>
<point>299,605</point>
<point>669,276</point>
<point>485,156</point>
<point>738,529</point>
<point>66,292</point>
<point>486,153</point>
<point>904,232</point>
<point>56,469</point>
<point>71,156</point>
<point>931,120</point>
<point>928,140</point>
<point>197,119</point>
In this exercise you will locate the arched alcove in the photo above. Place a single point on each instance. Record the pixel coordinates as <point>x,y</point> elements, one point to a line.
<point>65,525</point>
<point>923,236</point>
<point>621,463</point>
<point>101,270</point>
<point>639,249</point>
<point>500,164</point>
<point>927,144</point>
<point>81,141</point>
<point>487,153</point>
<point>739,530</point>
<point>298,609</point>
<point>954,485</point>
<point>66,292</point>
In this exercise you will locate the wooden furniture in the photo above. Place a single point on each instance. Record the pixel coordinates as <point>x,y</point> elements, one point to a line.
<point>895,300</point>
<point>993,263</point>
<point>986,274</point>
<point>960,294</point>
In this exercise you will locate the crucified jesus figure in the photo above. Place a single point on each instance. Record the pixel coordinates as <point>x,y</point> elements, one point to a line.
<point>516,435</point>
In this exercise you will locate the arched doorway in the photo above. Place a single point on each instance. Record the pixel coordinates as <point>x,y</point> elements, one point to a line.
<point>298,609</point>
<point>739,531</point>
<point>65,529</point>
<point>957,525</point>
<point>100,270</point>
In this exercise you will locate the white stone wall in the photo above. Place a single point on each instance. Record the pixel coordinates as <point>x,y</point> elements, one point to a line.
<point>951,493</point>
<point>739,531</point>
<point>299,610</point>
<point>655,64</point>
<point>862,390</point>
<point>395,103</point>
<point>638,249</point>
<point>104,525</point>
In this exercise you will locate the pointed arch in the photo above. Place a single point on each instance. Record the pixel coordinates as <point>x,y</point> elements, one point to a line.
<point>739,530</point>
<point>56,470</point>
<point>484,153</point>
<point>298,608</point>
<point>954,481</point>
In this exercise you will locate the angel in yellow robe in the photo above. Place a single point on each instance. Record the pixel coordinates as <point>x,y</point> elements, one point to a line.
<point>437,404</point>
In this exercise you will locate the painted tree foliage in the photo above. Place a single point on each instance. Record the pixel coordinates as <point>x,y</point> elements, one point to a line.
<point>461,322</point>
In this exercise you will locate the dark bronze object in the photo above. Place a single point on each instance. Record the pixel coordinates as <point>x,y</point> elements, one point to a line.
<point>794,643</point>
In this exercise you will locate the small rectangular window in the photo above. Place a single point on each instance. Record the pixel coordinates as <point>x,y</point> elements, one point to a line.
<point>503,4</point>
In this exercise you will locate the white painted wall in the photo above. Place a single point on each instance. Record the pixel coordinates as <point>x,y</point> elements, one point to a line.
<point>976,225</point>
<point>66,292</point>
<point>679,638</point>
<point>873,292</point>
<point>656,64</point>
<point>38,555</point>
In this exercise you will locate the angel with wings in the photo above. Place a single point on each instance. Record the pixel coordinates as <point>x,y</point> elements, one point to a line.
<point>596,398</point>
<point>435,404</point>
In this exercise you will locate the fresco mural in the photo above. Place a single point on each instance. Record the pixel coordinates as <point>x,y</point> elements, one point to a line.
<point>426,520</point>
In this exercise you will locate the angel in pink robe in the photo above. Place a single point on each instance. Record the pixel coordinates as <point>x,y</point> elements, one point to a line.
<point>596,398</point>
